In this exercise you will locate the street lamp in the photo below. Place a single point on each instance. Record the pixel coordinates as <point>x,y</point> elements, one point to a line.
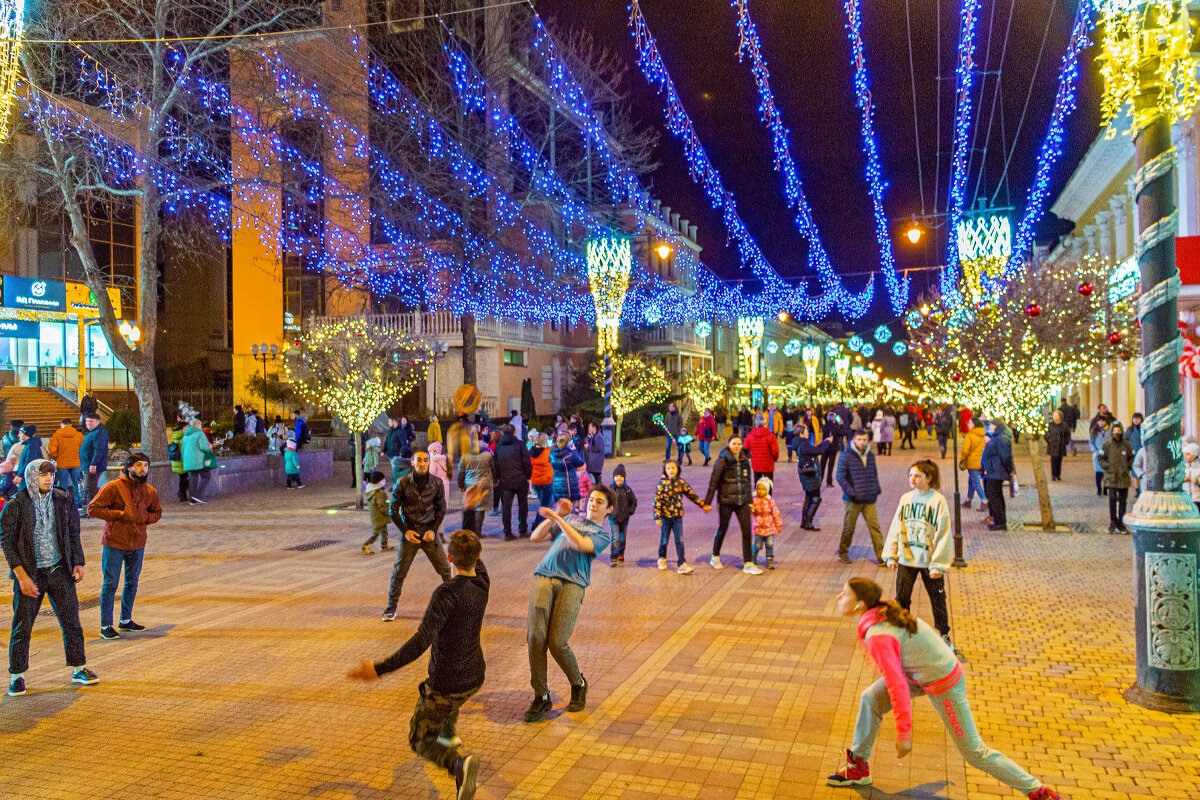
<point>1150,74</point>
<point>264,353</point>
<point>609,262</point>
<point>132,334</point>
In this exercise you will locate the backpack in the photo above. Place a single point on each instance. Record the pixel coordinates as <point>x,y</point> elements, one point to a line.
<point>305,434</point>
<point>174,452</point>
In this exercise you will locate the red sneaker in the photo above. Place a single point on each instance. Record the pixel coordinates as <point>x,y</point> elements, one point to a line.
<point>1045,793</point>
<point>854,772</point>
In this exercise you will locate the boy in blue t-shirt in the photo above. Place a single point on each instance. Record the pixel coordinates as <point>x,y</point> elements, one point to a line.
<point>557,594</point>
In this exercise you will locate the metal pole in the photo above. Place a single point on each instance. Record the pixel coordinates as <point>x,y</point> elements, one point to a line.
<point>958,561</point>
<point>1164,521</point>
<point>609,425</point>
<point>264,391</point>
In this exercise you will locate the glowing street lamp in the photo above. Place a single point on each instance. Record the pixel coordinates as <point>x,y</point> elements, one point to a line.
<point>609,262</point>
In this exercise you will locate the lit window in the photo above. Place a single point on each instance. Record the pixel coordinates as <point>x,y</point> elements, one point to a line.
<point>514,358</point>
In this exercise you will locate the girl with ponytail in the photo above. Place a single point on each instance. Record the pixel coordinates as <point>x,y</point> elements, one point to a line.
<point>914,661</point>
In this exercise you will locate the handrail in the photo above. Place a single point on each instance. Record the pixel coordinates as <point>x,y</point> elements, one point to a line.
<point>104,409</point>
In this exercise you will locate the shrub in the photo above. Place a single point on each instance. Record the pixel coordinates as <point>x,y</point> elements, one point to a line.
<point>247,445</point>
<point>124,428</point>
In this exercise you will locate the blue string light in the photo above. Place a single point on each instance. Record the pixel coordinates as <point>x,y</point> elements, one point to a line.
<point>849,304</point>
<point>883,334</point>
<point>964,81</point>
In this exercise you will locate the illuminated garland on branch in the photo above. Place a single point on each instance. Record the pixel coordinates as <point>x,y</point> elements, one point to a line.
<point>964,81</point>
<point>705,388</point>
<point>793,187</point>
<point>12,28</point>
<point>635,382</point>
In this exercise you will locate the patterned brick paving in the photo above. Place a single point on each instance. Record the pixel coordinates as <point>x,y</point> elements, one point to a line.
<point>715,685</point>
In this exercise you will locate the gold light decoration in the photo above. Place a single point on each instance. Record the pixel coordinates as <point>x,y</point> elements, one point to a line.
<point>1140,36</point>
<point>609,262</point>
<point>355,368</point>
<point>750,336</point>
<point>12,27</point>
<point>984,246</point>
<point>811,355</point>
<point>842,367</point>
<point>705,388</point>
<point>635,382</point>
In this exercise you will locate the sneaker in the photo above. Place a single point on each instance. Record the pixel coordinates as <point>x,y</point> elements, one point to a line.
<point>465,776</point>
<point>612,563</point>
<point>1044,793</point>
<point>84,676</point>
<point>771,563</point>
<point>946,639</point>
<point>715,562</point>
<point>854,772</point>
<point>109,632</point>
<point>620,559</point>
<point>1112,528</point>
<point>578,696</point>
<point>386,548</point>
<point>539,709</point>
<point>685,569</point>
<point>750,568</point>
<point>366,548</point>
<point>196,501</point>
<point>845,559</point>
<point>508,537</point>
<point>299,485</point>
<point>130,626</point>
<point>662,563</point>
<point>389,614</point>
<point>16,687</point>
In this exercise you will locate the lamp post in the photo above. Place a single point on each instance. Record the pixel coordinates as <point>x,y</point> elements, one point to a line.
<point>132,334</point>
<point>1150,75</point>
<point>439,351</point>
<point>264,353</point>
<point>609,262</point>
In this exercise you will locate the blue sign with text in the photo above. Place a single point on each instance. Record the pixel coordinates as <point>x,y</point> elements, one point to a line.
<point>19,329</point>
<point>38,295</point>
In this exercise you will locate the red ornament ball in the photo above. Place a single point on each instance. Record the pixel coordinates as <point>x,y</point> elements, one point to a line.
<point>991,364</point>
<point>1086,289</point>
<point>957,376</point>
<point>1033,309</point>
<point>1114,338</point>
<point>1126,355</point>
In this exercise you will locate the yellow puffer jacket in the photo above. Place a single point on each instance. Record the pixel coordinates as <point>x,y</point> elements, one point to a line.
<point>972,452</point>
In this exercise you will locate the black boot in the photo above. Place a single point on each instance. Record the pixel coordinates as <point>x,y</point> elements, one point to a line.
<point>539,709</point>
<point>466,770</point>
<point>578,696</point>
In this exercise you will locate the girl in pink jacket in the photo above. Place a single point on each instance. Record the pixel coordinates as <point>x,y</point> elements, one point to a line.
<point>765,519</point>
<point>914,661</point>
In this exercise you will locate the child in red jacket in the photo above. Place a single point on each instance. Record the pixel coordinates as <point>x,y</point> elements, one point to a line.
<point>766,520</point>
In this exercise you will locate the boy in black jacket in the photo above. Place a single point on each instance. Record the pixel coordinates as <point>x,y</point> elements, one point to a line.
<point>456,668</point>
<point>622,512</point>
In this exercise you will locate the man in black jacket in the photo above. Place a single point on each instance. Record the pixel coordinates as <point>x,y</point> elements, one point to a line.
<point>39,533</point>
<point>451,627</point>
<point>418,508</point>
<point>515,468</point>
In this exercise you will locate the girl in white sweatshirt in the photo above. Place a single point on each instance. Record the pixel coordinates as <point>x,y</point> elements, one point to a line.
<point>918,543</point>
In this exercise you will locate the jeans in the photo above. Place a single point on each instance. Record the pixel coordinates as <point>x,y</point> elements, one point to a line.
<point>521,495</point>
<point>941,440</point>
<point>472,519</point>
<point>828,466</point>
<point>545,500</point>
<point>404,559</point>
<point>908,440</point>
<point>724,512</point>
<point>431,731</point>
<point>91,484</point>
<point>1116,506</point>
<point>668,526</point>
<point>183,486</point>
<point>850,520</point>
<point>60,586</point>
<point>396,462</point>
<point>1099,483</point>
<point>553,609</point>
<point>293,478</point>
<point>812,501</point>
<point>112,560</point>
<point>994,491</point>
<point>974,484</point>
<point>955,712</point>
<point>617,550</point>
<point>906,577</point>
<point>197,482</point>
<point>705,450</point>
<point>70,480</point>
<point>765,541</point>
<point>670,441</point>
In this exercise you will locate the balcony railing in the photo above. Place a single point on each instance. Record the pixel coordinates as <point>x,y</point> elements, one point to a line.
<point>445,326</point>
<point>671,335</point>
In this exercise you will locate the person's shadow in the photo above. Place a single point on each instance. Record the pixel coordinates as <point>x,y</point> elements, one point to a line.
<point>925,791</point>
<point>21,714</point>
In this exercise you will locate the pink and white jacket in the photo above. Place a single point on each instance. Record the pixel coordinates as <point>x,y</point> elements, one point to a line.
<point>905,658</point>
<point>765,516</point>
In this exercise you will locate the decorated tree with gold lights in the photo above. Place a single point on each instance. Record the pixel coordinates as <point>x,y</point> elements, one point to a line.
<point>704,388</point>
<point>1008,356</point>
<point>635,383</point>
<point>356,369</point>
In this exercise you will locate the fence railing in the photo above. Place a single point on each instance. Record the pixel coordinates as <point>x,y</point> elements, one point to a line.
<point>445,326</point>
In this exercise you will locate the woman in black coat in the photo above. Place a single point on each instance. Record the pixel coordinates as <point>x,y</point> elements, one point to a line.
<point>808,466</point>
<point>1058,436</point>
<point>732,483</point>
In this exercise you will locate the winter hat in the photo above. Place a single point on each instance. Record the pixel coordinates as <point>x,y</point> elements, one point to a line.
<point>531,437</point>
<point>434,449</point>
<point>375,477</point>
<point>879,414</point>
<point>291,444</point>
<point>133,458</point>
<point>619,469</point>
<point>770,484</point>
<point>29,430</point>
<point>373,441</point>
<point>1191,449</point>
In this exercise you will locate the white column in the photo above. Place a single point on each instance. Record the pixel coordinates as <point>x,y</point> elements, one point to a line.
<point>1183,137</point>
<point>1119,206</point>
<point>1104,228</point>
<point>1091,237</point>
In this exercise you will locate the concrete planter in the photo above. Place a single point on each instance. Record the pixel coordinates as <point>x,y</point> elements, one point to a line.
<point>238,474</point>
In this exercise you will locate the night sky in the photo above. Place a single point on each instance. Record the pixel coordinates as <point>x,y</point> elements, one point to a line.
<point>806,46</point>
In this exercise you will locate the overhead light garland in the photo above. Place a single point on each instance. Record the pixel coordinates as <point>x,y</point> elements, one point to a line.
<point>882,334</point>
<point>964,81</point>
<point>12,28</point>
<point>609,261</point>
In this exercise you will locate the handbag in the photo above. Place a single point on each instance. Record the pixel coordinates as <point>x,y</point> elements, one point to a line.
<point>210,461</point>
<point>807,467</point>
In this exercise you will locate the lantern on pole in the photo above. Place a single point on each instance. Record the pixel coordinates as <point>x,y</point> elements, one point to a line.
<point>811,354</point>
<point>842,367</point>
<point>609,262</point>
<point>1150,79</point>
<point>750,336</point>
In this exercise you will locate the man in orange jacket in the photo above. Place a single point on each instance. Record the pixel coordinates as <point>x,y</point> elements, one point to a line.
<point>127,505</point>
<point>64,452</point>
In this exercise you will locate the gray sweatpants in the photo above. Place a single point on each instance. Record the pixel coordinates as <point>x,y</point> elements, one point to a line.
<point>955,712</point>
<point>553,608</point>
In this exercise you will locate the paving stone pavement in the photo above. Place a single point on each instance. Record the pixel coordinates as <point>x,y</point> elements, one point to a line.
<point>711,686</point>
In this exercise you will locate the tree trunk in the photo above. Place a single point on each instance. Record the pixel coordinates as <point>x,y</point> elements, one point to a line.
<point>154,424</point>
<point>1039,477</point>
<point>617,434</point>
<point>357,470</point>
<point>468,349</point>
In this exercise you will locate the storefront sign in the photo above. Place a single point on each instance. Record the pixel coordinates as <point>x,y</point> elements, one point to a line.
<point>19,329</point>
<point>37,295</point>
<point>1124,280</point>
<point>82,301</point>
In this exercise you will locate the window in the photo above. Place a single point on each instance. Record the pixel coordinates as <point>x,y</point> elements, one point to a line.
<point>547,382</point>
<point>514,358</point>
<point>721,339</point>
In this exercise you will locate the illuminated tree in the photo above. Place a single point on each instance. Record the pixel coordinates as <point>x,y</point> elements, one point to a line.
<point>1008,358</point>
<point>356,369</point>
<point>635,383</point>
<point>704,388</point>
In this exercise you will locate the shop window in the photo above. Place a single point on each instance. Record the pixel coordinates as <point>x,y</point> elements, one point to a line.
<point>514,358</point>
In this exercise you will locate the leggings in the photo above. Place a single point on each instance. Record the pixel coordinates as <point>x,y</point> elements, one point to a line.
<point>906,578</point>
<point>1099,484</point>
<point>955,712</point>
<point>725,511</point>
